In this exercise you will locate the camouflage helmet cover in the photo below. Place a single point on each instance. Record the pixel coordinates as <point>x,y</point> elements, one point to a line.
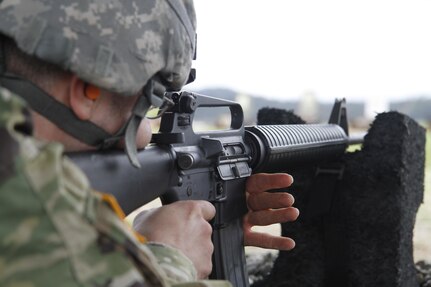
<point>115,44</point>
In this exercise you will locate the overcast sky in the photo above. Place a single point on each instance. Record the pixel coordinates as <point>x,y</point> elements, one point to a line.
<point>332,48</point>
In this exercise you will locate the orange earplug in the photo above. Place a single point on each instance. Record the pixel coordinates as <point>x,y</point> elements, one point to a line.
<point>92,92</point>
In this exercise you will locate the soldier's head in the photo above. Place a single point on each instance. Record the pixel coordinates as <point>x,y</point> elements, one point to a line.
<point>99,64</point>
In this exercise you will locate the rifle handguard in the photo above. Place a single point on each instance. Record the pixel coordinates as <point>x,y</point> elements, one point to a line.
<point>276,148</point>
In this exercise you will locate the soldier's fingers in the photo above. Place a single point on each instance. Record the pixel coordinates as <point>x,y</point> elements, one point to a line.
<point>267,217</point>
<point>267,200</point>
<point>207,209</point>
<point>264,181</point>
<point>268,241</point>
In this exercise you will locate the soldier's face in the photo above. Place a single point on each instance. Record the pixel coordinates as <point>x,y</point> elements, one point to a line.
<point>108,111</point>
<point>112,112</point>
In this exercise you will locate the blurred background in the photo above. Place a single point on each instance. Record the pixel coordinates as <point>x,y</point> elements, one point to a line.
<point>302,55</point>
<point>374,52</point>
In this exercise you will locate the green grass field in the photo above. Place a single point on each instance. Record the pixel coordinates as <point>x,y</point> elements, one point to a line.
<point>422,233</point>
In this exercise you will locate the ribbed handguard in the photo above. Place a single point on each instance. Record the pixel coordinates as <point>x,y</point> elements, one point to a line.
<point>275,148</point>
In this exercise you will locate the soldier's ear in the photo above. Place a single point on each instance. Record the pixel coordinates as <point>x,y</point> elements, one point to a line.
<point>81,104</point>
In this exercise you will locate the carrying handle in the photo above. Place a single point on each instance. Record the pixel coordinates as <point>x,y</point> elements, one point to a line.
<point>177,123</point>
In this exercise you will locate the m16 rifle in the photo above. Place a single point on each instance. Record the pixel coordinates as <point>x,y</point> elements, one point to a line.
<point>182,164</point>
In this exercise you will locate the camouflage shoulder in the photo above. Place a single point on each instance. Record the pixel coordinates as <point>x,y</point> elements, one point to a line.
<point>179,270</point>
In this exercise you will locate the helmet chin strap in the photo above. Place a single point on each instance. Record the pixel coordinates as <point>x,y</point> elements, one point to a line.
<point>50,108</point>
<point>140,109</point>
<point>56,112</point>
<point>153,95</point>
<point>85,131</point>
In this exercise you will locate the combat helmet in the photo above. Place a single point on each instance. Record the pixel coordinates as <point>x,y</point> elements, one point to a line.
<point>124,46</point>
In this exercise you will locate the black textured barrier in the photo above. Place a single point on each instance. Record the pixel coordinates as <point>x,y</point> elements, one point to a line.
<point>357,216</point>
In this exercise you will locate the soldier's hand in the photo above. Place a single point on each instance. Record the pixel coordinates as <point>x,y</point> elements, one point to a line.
<point>267,208</point>
<point>183,225</point>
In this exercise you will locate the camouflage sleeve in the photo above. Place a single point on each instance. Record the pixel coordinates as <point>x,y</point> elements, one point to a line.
<point>53,229</point>
<point>174,263</point>
<point>179,269</point>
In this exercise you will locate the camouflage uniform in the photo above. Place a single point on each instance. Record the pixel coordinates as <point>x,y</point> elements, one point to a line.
<point>55,231</point>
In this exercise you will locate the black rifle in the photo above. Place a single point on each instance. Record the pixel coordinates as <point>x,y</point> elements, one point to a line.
<point>182,165</point>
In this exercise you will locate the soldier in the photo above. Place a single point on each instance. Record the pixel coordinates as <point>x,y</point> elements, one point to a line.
<point>78,76</point>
